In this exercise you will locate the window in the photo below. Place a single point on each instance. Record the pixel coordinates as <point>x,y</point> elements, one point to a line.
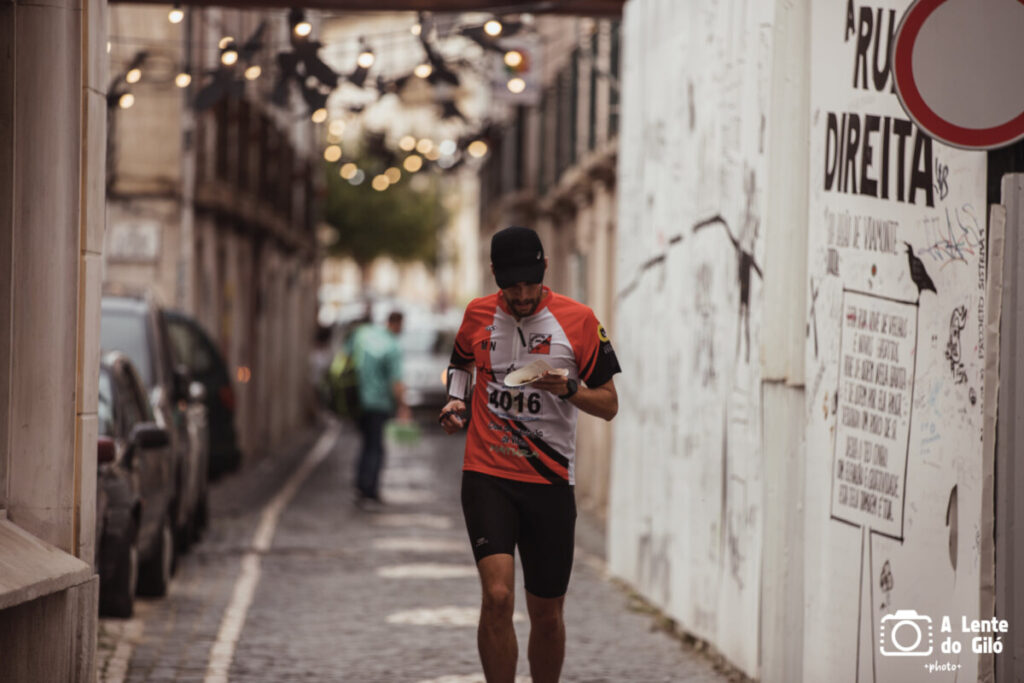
<point>188,347</point>
<point>127,333</point>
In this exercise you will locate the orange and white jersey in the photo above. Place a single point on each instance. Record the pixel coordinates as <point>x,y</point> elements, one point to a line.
<point>518,432</point>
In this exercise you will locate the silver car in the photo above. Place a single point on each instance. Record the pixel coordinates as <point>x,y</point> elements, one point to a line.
<point>136,327</point>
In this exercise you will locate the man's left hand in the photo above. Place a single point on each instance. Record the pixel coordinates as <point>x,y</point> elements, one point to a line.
<point>553,382</point>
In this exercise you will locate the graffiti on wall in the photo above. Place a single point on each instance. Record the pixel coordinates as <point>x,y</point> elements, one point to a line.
<point>896,261</point>
<point>691,162</point>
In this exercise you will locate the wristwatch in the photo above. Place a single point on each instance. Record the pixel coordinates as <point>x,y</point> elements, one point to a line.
<point>572,386</point>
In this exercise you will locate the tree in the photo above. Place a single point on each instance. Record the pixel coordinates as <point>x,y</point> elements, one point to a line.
<point>401,222</point>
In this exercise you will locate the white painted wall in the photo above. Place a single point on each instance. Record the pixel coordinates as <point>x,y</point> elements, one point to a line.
<point>726,505</point>
<point>924,554</point>
<point>686,503</point>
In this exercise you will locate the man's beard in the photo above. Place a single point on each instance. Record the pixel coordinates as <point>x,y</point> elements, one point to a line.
<point>517,304</point>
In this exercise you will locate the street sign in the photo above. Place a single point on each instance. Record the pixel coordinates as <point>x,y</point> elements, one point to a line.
<point>136,240</point>
<point>959,70</point>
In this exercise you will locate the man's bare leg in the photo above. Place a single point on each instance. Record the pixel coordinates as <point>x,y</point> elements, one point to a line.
<point>546,650</point>
<point>496,638</point>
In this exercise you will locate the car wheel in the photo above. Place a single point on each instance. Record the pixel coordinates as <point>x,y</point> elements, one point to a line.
<point>117,592</point>
<point>187,533</point>
<point>202,516</point>
<point>155,574</point>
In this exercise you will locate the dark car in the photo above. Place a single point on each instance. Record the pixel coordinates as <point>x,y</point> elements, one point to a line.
<point>135,492</point>
<point>192,347</point>
<point>138,328</point>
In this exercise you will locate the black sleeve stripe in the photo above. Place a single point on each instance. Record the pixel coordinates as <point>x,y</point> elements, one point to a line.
<point>459,359</point>
<point>605,366</point>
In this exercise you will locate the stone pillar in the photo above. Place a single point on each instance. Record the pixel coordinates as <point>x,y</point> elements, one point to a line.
<point>52,183</point>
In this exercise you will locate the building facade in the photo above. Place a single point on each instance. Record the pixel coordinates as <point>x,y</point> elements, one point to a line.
<point>212,209</point>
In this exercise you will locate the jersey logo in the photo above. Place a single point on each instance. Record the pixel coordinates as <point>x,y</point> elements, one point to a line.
<point>601,333</point>
<point>487,343</point>
<point>540,343</point>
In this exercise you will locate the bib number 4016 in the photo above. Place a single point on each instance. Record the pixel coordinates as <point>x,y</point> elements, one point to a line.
<point>505,400</point>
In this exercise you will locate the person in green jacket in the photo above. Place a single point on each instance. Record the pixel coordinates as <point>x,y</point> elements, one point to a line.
<point>378,360</point>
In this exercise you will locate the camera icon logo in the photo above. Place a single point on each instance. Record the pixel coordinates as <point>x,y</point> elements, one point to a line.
<point>905,633</point>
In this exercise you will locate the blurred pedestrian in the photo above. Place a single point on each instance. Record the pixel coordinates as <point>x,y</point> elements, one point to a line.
<point>377,357</point>
<point>518,469</point>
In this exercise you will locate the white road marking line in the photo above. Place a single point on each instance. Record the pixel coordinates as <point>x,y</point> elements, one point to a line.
<point>442,616</point>
<point>223,650</point>
<point>422,545</point>
<point>427,570</point>
<point>469,678</point>
<point>408,496</point>
<point>413,520</point>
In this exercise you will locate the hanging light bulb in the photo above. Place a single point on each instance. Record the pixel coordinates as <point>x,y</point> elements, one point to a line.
<point>126,100</point>
<point>348,171</point>
<point>393,175</point>
<point>176,15</point>
<point>183,79</point>
<point>319,116</point>
<point>516,85</point>
<point>424,146</point>
<point>366,58</point>
<point>300,27</point>
<point>413,163</point>
<point>513,58</point>
<point>407,143</point>
<point>381,183</point>
<point>477,149</point>
<point>423,70</point>
<point>332,153</point>
<point>416,29</point>
<point>253,72</point>
<point>225,41</point>
<point>493,28</point>
<point>133,75</point>
<point>229,54</point>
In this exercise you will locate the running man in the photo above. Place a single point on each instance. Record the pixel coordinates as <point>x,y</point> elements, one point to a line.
<point>518,471</point>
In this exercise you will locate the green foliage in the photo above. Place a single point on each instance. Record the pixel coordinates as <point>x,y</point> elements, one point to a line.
<point>399,222</point>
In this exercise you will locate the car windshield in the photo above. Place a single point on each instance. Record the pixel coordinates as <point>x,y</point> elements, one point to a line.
<point>127,333</point>
<point>105,407</point>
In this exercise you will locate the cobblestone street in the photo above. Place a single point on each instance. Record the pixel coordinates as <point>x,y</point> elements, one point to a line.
<point>340,594</point>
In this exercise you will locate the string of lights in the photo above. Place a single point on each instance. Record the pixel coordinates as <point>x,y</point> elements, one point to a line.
<point>299,67</point>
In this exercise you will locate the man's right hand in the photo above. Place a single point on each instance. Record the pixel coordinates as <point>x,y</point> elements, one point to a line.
<point>452,416</point>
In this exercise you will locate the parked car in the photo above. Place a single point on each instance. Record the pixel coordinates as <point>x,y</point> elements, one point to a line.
<point>135,492</point>
<point>192,347</point>
<point>137,327</point>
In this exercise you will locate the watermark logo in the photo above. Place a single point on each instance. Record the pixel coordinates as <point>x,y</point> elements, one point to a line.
<point>905,633</point>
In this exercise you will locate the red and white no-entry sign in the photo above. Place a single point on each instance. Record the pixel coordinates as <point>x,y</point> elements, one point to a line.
<point>959,70</point>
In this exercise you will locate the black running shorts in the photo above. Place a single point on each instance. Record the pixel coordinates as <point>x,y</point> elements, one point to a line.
<point>539,518</point>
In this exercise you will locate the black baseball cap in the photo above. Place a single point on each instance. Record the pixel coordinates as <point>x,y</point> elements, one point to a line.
<point>517,256</point>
